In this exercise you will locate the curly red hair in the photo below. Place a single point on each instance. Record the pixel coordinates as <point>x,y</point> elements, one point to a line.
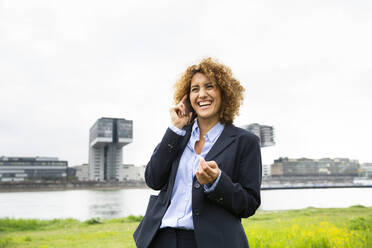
<point>221,75</point>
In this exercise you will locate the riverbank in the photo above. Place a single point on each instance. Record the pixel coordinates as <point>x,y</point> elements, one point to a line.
<point>311,227</point>
<point>60,186</point>
<point>34,187</point>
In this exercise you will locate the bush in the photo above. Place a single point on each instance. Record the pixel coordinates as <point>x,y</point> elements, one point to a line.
<point>357,206</point>
<point>133,218</point>
<point>11,225</point>
<point>359,223</point>
<point>8,224</point>
<point>93,221</point>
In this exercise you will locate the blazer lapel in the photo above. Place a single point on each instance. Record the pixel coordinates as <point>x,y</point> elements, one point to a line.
<point>226,138</point>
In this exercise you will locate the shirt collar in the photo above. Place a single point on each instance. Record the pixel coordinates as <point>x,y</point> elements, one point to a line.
<point>212,134</point>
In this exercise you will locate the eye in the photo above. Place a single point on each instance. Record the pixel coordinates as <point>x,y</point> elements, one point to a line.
<point>195,89</point>
<point>209,86</point>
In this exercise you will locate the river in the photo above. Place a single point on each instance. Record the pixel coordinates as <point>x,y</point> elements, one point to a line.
<point>86,204</point>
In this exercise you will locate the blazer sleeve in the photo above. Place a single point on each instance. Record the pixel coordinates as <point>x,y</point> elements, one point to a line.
<point>241,196</point>
<point>159,167</point>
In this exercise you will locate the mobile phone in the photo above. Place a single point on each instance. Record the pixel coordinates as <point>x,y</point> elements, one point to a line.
<point>188,107</point>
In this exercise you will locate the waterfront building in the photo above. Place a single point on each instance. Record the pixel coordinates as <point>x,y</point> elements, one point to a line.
<point>264,132</point>
<point>106,139</point>
<point>71,173</point>
<point>82,172</point>
<point>129,172</point>
<point>315,167</point>
<point>13,169</point>
<point>366,169</point>
<point>266,170</point>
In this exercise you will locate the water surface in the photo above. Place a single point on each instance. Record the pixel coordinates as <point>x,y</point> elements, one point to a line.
<point>86,204</point>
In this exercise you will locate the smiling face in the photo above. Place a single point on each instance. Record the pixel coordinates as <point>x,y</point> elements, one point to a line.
<point>205,98</point>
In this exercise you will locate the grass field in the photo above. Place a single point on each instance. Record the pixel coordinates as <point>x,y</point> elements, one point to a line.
<point>311,227</point>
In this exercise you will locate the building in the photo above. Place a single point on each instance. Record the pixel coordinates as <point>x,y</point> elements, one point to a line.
<point>14,169</point>
<point>71,173</point>
<point>366,169</point>
<point>266,170</point>
<point>315,167</point>
<point>265,133</point>
<point>129,172</point>
<point>106,139</point>
<point>82,172</point>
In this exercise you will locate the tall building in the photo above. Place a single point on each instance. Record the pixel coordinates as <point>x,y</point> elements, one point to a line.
<point>13,169</point>
<point>106,139</point>
<point>265,133</point>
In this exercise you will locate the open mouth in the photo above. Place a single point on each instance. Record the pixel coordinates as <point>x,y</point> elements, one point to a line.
<point>204,104</point>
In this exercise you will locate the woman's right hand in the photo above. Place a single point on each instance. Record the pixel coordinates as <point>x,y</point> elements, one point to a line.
<point>179,118</point>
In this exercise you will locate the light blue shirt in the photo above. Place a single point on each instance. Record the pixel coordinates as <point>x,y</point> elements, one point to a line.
<point>179,212</point>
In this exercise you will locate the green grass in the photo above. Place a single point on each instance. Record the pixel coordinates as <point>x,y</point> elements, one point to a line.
<point>310,228</point>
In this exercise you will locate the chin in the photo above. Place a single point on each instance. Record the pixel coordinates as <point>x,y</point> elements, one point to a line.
<point>207,116</point>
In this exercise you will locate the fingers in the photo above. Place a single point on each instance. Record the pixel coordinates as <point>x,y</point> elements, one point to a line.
<point>178,115</point>
<point>203,177</point>
<point>202,161</point>
<point>183,98</point>
<point>207,171</point>
<point>205,166</point>
<point>183,109</point>
<point>200,174</point>
<point>182,104</point>
<point>179,109</point>
<point>212,164</point>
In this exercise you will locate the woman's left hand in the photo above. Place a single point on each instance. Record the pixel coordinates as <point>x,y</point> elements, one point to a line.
<point>207,171</point>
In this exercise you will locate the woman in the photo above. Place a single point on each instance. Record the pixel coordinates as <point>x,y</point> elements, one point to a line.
<point>207,170</point>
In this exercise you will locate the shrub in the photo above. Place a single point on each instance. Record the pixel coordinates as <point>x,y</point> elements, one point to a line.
<point>357,206</point>
<point>11,225</point>
<point>359,223</point>
<point>93,221</point>
<point>133,218</point>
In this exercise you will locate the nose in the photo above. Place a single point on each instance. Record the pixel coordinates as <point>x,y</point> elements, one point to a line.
<point>202,92</point>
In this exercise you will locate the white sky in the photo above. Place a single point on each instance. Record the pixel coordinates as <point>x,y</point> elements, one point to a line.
<point>306,67</point>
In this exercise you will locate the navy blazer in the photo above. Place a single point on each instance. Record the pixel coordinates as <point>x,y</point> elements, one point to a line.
<point>216,215</point>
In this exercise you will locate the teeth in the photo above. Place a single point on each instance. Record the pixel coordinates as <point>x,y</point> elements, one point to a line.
<point>202,104</point>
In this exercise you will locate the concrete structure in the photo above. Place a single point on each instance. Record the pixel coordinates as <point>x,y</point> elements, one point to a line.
<point>14,169</point>
<point>366,169</point>
<point>106,139</point>
<point>129,172</point>
<point>71,173</point>
<point>82,172</point>
<point>265,133</point>
<point>315,167</point>
<point>266,170</point>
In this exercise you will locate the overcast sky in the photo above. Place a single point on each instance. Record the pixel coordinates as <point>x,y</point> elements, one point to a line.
<point>306,67</point>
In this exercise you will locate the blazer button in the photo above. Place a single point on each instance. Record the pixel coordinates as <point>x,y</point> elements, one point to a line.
<point>197,185</point>
<point>196,212</point>
<point>170,147</point>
